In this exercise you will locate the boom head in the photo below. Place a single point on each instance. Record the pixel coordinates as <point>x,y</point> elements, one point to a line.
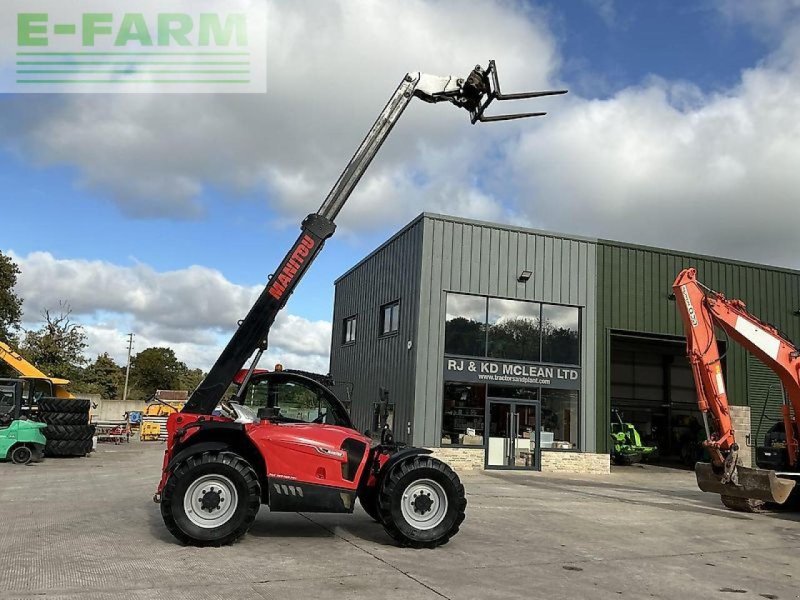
<point>476,93</point>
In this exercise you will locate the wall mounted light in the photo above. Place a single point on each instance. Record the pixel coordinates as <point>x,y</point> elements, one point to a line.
<point>524,276</point>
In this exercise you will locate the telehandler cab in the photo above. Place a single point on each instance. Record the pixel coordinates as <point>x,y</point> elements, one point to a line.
<point>284,439</point>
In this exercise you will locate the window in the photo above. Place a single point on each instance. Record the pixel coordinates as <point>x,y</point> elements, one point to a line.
<point>464,411</point>
<point>390,318</point>
<point>560,335</point>
<point>294,402</point>
<point>465,325</point>
<point>349,330</point>
<point>514,330</point>
<point>8,399</point>
<point>511,330</point>
<point>559,419</point>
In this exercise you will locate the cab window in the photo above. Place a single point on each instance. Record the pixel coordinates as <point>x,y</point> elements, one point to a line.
<point>295,402</point>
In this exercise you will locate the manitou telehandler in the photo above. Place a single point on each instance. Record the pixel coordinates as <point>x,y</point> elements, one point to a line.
<point>740,487</point>
<point>298,450</point>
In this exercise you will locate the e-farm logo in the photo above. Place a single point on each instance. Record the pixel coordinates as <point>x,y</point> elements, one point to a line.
<point>156,50</point>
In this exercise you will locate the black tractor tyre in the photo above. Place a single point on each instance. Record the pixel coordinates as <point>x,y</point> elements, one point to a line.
<point>73,433</point>
<point>747,505</point>
<point>64,405</point>
<point>64,418</point>
<point>67,448</point>
<point>411,502</point>
<point>368,497</point>
<point>21,455</point>
<point>222,471</point>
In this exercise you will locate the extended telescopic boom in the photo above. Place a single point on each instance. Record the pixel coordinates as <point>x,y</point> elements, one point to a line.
<point>475,94</point>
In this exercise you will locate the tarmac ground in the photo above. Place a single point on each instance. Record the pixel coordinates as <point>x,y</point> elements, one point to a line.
<point>88,529</point>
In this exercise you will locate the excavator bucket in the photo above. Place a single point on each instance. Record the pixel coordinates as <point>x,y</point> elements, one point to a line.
<point>752,484</point>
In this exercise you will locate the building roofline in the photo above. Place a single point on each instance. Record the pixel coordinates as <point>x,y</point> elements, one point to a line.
<point>698,256</point>
<point>514,228</point>
<point>402,231</point>
<point>577,238</point>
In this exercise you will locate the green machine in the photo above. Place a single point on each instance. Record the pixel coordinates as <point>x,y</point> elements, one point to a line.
<point>21,440</point>
<point>626,443</point>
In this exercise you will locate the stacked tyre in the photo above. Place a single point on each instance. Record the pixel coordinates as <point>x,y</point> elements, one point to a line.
<point>68,431</point>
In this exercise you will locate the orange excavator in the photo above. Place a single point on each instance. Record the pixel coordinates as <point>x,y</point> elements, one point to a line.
<point>740,487</point>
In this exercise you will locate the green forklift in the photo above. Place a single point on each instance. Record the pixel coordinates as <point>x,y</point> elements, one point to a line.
<point>626,443</point>
<point>21,440</point>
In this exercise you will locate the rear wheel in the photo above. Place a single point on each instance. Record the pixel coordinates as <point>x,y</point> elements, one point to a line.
<point>21,455</point>
<point>421,502</point>
<point>211,499</point>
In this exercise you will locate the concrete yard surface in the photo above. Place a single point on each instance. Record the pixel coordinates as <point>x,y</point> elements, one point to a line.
<point>88,529</point>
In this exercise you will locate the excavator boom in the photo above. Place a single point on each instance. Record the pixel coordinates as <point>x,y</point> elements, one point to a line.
<point>28,371</point>
<point>702,310</point>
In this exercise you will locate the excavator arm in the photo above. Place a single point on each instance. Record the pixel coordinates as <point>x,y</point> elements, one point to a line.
<point>474,93</point>
<point>702,310</point>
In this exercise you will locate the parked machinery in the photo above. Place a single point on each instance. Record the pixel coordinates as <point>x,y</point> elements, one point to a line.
<point>300,451</point>
<point>21,440</point>
<point>626,443</point>
<point>740,487</point>
<point>39,397</point>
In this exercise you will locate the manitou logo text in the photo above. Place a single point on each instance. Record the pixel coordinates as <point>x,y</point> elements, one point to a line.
<point>289,270</point>
<point>689,307</point>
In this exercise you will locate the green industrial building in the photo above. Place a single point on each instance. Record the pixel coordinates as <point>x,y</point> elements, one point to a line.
<point>507,347</point>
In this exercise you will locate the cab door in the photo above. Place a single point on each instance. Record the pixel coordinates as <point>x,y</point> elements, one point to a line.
<point>314,457</point>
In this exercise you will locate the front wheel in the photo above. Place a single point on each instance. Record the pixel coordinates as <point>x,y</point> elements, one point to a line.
<point>211,499</point>
<point>21,455</point>
<point>421,502</point>
<point>368,498</point>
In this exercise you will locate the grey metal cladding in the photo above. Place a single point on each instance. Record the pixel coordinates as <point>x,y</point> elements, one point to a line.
<point>390,273</point>
<point>472,257</point>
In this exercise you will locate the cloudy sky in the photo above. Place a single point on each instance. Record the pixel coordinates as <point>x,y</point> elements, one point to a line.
<point>162,214</point>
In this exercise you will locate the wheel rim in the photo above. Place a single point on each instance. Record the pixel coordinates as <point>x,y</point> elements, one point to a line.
<point>210,501</point>
<point>21,455</point>
<point>424,504</point>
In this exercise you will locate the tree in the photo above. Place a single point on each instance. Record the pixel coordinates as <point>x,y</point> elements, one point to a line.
<point>156,369</point>
<point>191,379</point>
<point>10,303</point>
<point>102,377</point>
<point>515,338</point>
<point>57,346</point>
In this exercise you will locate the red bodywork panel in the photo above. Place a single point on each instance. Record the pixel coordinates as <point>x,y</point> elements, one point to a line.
<point>301,452</point>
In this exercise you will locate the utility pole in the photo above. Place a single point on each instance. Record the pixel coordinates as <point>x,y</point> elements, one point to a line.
<point>128,367</point>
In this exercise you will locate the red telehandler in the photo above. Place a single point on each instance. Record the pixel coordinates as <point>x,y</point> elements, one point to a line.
<point>740,487</point>
<point>284,439</point>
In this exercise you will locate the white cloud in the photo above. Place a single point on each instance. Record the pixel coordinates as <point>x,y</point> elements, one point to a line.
<point>664,164</point>
<point>659,163</point>
<point>332,66</point>
<point>192,310</point>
